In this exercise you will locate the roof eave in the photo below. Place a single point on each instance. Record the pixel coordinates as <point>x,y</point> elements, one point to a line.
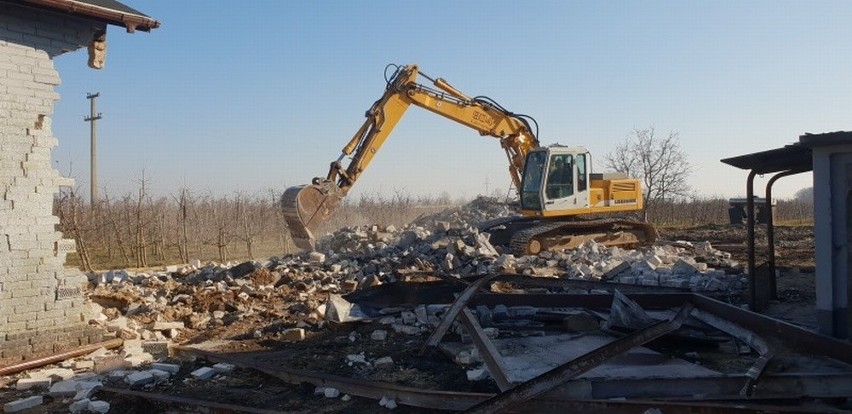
<point>131,22</point>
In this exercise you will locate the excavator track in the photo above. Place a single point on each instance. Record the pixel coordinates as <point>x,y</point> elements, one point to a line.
<point>558,235</point>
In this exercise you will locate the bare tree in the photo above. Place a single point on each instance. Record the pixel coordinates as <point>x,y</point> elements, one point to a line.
<point>658,162</point>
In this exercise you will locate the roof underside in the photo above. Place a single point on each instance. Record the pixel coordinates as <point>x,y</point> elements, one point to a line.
<point>107,11</point>
<point>797,157</point>
<point>791,157</point>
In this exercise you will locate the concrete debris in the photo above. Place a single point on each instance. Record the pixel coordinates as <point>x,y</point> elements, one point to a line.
<point>66,388</point>
<point>101,407</point>
<point>27,383</point>
<point>379,335</point>
<point>203,373</point>
<point>477,374</point>
<point>224,368</point>
<point>388,403</point>
<point>139,378</point>
<point>23,404</point>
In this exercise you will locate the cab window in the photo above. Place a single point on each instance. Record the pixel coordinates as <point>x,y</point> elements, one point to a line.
<point>581,172</point>
<point>560,177</point>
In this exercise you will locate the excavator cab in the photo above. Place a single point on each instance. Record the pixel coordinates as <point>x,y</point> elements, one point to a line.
<point>555,179</point>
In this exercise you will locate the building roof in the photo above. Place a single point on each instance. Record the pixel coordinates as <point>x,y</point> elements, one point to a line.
<point>798,156</point>
<point>107,11</point>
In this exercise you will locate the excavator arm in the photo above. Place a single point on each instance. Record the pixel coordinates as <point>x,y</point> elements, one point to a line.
<point>306,207</point>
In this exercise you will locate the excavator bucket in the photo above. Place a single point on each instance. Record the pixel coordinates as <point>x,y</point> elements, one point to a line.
<point>306,207</point>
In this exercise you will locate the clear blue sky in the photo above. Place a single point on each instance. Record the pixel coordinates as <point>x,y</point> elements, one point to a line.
<point>251,96</point>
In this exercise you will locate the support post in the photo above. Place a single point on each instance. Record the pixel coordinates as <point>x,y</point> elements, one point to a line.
<point>94,116</point>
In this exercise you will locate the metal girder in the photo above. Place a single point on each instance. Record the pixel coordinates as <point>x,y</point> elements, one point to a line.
<point>571,369</point>
<point>486,348</point>
<point>453,312</point>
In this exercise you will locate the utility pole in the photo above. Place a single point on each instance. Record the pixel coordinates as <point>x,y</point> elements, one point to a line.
<point>94,170</point>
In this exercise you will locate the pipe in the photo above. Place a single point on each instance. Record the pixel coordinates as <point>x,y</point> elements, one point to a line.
<point>750,222</point>
<point>62,356</point>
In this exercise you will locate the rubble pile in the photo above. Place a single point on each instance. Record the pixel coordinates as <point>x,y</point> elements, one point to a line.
<point>450,243</point>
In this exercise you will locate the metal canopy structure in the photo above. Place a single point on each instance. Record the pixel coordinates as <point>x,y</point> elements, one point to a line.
<point>788,160</point>
<point>793,156</point>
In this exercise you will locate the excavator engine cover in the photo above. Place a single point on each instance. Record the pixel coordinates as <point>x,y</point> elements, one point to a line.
<point>306,207</point>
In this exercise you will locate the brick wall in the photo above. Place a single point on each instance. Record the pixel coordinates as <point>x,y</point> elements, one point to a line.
<point>41,305</point>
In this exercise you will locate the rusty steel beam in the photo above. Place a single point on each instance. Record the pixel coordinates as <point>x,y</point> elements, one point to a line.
<point>550,282</point>
<point>194,402</point>
<point>571,369</point>
<point>580,300</point>
<point>62,356</point>
<point>545,404</point>
<point>486,348</point>
<point>453,312</point>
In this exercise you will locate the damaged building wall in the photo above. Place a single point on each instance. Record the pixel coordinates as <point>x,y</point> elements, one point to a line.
<point>41,304</point>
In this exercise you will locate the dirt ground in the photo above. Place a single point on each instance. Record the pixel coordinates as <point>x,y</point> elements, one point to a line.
<point>325,350</point>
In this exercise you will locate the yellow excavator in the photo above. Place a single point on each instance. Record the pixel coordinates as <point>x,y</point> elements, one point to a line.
<point>562,203</point>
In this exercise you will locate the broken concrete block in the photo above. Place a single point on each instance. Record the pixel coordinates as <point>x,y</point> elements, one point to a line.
<point>159,375</point>
<point>293,334</point>
<point>109,363</point>
<point>614,270</point>
<point>388,403</point>
<point>170,368</point>
<point>84,364</point>
<point>408,318</point>
<point>27,383</point>
<point>224,368</point>
<point>349,285</point>
<point>139,360</point>
<point>379,335</point>
<point>338,309</point>
<point>101,407</point>
<point>56,374</point>
<point>139,378</point>
<point>316,257</point>
<point>203,373</point>
<point>406,329</point>
<point>23,404</point>
<point>164,326</point>
<point>383,362</point>
<point>356,359</point>
<point>330,392</point>
<point>478,374</point>
<point>85,389</point>
<point>683,267</point>
<point>79,406</point>
<point>63,389</point>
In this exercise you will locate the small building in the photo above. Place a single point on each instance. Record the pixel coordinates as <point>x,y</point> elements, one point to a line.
<point>41,302</point>
<point>829,156</point>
